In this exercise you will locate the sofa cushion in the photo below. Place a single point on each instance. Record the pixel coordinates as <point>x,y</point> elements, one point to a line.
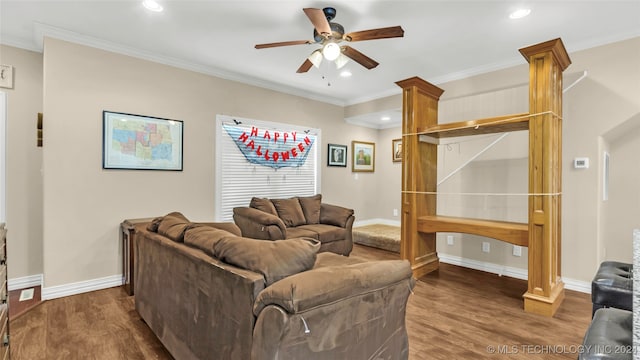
<point>326,233</point>
<point>311,208</point>
<point>275,260</point>
<point>263,205</point>
<point>204,237</point>
<point>327,259</point>
<point>301,231</point>
<point>173,226</point>
<point>290,211</point>
<point>335,215</point>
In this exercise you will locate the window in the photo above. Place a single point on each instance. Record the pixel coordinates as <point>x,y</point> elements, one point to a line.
<point>238,180</point>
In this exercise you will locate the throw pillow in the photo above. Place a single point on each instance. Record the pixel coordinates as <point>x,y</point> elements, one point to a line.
<point>263,205</point>
<point>173,226</point>
<point>335,215</point>
<point>290,211</point>
<point>153,225</point>
<point>204,237</point>
<point>275,260</point>
<point>311,208</point>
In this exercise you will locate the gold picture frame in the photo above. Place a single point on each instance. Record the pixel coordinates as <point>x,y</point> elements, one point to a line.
<point>396,150</point>
<point>364,156</point>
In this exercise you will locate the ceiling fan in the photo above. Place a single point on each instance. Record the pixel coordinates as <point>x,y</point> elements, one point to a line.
<point>330,34</point>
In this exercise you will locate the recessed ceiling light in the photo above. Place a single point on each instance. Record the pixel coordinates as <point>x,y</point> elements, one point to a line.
<point>152,5</point>
<point>385,118</point>
<point>520,13</point>
<point>345,73</point>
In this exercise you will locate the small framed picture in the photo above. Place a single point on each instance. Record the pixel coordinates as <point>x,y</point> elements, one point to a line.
<point>364,156</point>
<point>337,155</point>
<point>396,148</point>
<point>6,76</point>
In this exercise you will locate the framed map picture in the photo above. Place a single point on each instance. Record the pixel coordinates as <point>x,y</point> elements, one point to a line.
<point>364,156</point>
<point>141,142</point>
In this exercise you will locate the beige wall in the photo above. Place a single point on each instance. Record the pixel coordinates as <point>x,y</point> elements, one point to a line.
<point>389,180</point>
<point>24,161</point>
<point>607,99</point>
<point>82,204</point>
<point>622,209</point>
<point>606,102</point>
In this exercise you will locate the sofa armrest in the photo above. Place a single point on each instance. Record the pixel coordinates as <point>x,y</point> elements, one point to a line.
<point>335,215</point>
<point>258,224</point>
<point>354,311</point>
<point>226,226</point>
<point>326,285</point>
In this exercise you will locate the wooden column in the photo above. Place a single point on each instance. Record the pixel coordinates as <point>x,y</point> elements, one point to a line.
<point>547,61</point>
<point>419,173</point>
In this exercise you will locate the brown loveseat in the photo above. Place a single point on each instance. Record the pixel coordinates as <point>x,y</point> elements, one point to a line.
<point>277,219</point>
<point>208,293</point>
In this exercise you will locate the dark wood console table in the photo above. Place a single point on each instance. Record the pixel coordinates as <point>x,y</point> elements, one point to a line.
<point>128,233</point>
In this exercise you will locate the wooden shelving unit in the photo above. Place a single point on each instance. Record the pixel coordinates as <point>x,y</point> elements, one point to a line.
<point>511,232</point>
<point>498,124</point>
<point>541,234</point>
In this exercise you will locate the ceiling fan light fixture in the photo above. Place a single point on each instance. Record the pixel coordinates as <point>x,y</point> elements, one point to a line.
<point>345,73</point>
<point>341,61</point>
<point>331,51</point>
<point>316,58</point>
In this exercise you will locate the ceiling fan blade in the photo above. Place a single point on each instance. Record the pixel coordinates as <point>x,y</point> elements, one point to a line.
<point>359,57</point>
<point>283,43</point>
<point>318,19</point>
<point>381,33</point>
<point>306,65</point>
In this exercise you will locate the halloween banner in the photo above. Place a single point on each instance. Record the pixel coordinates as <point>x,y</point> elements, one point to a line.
<point>271,148</point>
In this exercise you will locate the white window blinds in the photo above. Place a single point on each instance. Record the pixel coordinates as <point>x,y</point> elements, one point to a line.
<point>238,180</point>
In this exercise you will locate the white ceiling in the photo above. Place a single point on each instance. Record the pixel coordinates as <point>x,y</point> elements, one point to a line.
<point>443,40</point>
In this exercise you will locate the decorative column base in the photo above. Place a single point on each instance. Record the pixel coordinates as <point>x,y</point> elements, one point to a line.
<point>544,305</point>
<point>425,264</point>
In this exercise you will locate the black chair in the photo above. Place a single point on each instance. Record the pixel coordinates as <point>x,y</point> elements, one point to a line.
<point>612,286</point>
<point>609,336</point>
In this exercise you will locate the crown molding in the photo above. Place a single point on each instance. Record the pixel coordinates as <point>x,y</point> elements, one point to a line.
<point>43,30</point>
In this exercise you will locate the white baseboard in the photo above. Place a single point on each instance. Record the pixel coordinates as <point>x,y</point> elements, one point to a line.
<point>24,282</point>
<point>569,284</point>
<point>577,285</point>
<point>58,291</point>
<point>376,221</point>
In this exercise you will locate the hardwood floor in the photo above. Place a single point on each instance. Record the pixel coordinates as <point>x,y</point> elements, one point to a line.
<point>17,307</point>
<point>454,313</point>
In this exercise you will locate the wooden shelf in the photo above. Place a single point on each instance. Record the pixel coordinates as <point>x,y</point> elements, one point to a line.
<point>542,234</point>
<point>499,124</point>
<point>511,232</point>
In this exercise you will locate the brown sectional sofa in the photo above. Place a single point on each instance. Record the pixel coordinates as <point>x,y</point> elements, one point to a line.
<point>277,219</point>
<point>208,293</point>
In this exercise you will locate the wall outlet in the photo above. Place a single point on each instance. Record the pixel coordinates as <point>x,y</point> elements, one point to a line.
<point>395,212</point>
<point>486,247</point>
<point>517,250</point>
<point>449,239</point>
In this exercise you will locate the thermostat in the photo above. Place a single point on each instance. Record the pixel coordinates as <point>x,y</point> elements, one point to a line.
<point>581,163</point>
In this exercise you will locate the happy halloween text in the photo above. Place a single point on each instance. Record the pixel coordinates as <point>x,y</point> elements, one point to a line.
<point>297,149</point>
